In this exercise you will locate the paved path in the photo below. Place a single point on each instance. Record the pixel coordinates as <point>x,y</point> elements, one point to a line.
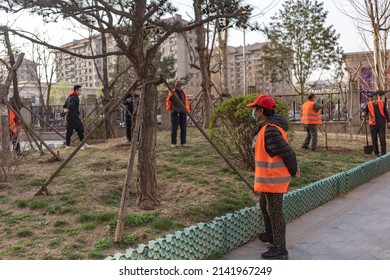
<point>355,226</point>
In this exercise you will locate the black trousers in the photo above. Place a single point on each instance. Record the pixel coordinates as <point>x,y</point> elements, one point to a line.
<point>71,125</point>
<point>129,123</point>
<point>15,143</point>
<point>271,206</point>
<point>378,130</point>
<point>178,119</point>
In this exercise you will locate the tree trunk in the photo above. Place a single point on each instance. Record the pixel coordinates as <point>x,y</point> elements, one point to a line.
<point>147,187</point>
<point>222,44</point>
<point>204,65</point>
<point>109,121</point>
<point>225,87</point>
<point>4,135</point>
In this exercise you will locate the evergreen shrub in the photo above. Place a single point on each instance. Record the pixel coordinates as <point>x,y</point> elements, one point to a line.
<point>232,128</point>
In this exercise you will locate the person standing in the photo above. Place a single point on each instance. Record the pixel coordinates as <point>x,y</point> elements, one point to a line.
<point>275,163</point>
<point>13,131</point>
<point>73,122</point>
<point>131,103</point>
<point>311,118</point>
<point>378,116</point>
<point>178,114</point>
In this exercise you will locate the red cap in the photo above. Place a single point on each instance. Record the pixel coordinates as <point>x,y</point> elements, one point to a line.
<point>264,101</point>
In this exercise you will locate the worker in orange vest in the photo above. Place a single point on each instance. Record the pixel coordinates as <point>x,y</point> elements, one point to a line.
<point>13,122</point>
<point>178,114</point>
<point>311,118</point>
<point>275,163</point>
<point>378,116</point>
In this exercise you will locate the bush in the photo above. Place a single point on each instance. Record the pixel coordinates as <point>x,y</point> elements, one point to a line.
<point>232,128</point>
<point>99,134</point>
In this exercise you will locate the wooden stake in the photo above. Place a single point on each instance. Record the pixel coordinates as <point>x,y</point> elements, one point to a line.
<point>183,107</point>
<point>130,166</point>
<point>43,188</point>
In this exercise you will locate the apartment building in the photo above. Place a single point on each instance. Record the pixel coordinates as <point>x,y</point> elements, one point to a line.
<point>246,69</point>
<point>27,71</point>
<point>359,66</point>
<point>182,47</point>
<point>27,80</point>
<point>76,70</point>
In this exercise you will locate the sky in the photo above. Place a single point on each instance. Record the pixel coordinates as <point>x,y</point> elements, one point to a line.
<point>263,10</point>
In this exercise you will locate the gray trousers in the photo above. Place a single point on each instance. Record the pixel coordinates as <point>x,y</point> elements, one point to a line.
<point>311,130</point>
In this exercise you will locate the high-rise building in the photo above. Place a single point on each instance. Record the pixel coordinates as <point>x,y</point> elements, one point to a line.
<point>245,69</point>
<point>181,46</point>
<point>76,70</point>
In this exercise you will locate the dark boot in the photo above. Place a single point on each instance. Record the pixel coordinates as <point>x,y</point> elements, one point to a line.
<point>275,254</point>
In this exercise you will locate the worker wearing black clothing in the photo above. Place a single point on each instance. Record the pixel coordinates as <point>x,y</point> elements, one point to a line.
<point>178,114</point>
<point>378,116</point>
<point>131,103</point>
<point>73,122</point>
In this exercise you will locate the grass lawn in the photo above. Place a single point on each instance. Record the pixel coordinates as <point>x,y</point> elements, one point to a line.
<point>78,219</point>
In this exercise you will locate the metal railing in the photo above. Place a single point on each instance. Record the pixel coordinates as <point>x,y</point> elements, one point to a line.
<point>337,110</point>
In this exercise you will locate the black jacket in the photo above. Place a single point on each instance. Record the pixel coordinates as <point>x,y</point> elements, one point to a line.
<point>72,103</point>
<point>275,143</point>
<point>131,105</point>
<point>176,108</point>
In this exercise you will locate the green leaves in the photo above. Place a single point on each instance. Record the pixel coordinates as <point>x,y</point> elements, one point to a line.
<point>300,42</point>
<point>233,128</point>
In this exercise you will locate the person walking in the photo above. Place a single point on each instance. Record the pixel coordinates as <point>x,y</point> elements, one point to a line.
<point>311,118</point>
<point>275,163</point>
<point>131,103</point>
<point>378,116</point>
<point>178,114</point>
<point>73,122</point>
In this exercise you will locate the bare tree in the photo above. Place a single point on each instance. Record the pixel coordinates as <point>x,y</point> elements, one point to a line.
<point>131,23</point>
<point>372,17</point>
<point>4,135</point>
<point>205,43</point>
<point>108,81</point>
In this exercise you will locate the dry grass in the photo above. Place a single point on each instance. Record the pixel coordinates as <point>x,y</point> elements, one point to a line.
<point>77,221</point>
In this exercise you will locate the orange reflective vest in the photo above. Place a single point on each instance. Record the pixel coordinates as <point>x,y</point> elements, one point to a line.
<point>168,101</point>
<point>308,116</point>
<point>271,174</point>
<point>371,112</point>
<point>11,121</point>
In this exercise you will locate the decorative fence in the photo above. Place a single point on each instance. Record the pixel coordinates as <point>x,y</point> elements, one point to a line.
<point>221,235</point>
<point>337,110</point>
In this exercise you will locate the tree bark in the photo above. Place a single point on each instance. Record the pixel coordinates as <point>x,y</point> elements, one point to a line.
<point>204,65</point>
<point>147,186</point>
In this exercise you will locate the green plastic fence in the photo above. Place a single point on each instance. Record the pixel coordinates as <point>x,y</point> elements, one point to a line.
<point>203,241</point>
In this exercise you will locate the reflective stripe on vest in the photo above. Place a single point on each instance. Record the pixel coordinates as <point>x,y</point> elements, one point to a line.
<point>308,116</point>
<point>271,174</point>
<point>371,111</point>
